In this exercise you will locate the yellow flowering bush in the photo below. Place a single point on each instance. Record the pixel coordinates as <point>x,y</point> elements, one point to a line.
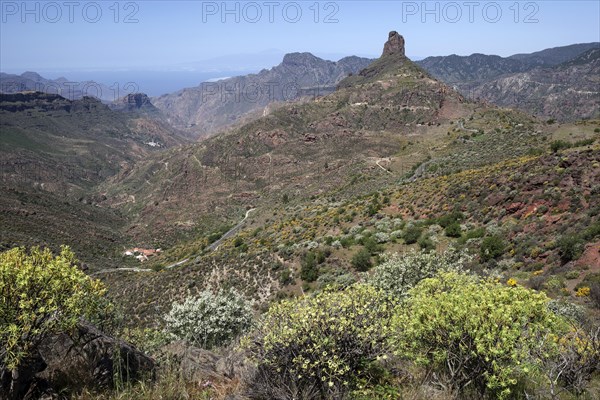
<point>511,282</point>
<point>40,295</point>
<point>474,334</point>
<point>321,346</point>
<point>583,291</point>
<point>572,367</point>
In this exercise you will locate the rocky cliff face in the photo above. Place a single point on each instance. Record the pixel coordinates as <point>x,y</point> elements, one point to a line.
<point>47,102</point>
<point>564,92</point>
<point>394,45</point>
<point>134,102</point>
<point>213,106</point>
<point>466,72</point>
<point>543,83</point>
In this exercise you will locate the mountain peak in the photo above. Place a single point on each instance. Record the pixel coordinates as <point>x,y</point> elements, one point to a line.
<point>394,45</point>
<point>299,59</point>
<point>136,100</point>
<point>34,76</point>
<point>132,102</point>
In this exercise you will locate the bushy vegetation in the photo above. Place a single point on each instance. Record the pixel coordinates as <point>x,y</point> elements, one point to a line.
<point>492,247</point>
<point>558,145</point>
<point>40,295</point>
<point>419,318</point>
<point>209,320</point>
<point>399,273</point>
<point>473,333</point>
<point>453,230</point>
<point>570,248</point>
<point>362,260</point>
<point>320,347</point>
<point>309,270</point>
<point>412,234</point>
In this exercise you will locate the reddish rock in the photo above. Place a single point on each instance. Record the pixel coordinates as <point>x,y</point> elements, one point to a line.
<point>552,219</point>
<point>514,207</point>
<point>494,199</point>
<point>394,45</point>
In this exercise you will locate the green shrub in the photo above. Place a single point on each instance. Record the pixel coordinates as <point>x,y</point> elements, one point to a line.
<point>371,245</point>
<point>213,237</point>
<point>453,230</point>
<point>320,347</point>
<point>570,248</point>
<point>426,244</point>
<point>472,234</point>
<point>572,275</point>
<point>347,241</point>
<point>41,295</point>
<point>583,142</point>
<point>591,232</point>
<point>209,320</point>
<point>309,270</point>
<point>491,247</point>
<point>361,260</point>
<point>557,145</point>
<point>554,284</point>
<point>449,219</point>
<point>398,273</point>
<point>286,277</point>
<point>412,234</point>
<point>473,333</point>
<point>238,241</point>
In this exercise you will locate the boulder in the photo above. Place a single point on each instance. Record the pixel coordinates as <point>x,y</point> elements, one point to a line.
<point>69,362</point>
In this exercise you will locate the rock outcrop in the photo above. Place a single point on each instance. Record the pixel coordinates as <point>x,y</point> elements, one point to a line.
<point>214,106</point>
<point>133,102</point>
<point>86,358</point>
<point>394,45</point>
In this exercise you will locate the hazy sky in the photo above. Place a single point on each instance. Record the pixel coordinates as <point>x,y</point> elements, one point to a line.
<point>39,35</point>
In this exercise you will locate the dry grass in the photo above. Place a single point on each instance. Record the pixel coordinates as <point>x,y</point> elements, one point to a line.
<point>170,385</point>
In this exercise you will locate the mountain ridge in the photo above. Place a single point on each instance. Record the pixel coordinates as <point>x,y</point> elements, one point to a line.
<point>473,75</point>
<point>213,106</point>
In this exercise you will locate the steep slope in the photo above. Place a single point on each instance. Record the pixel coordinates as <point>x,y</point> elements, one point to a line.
<point>302,149</point>
<point>523,81</point>
<point>390,153</point>
<point>466,72</point>
<point>212,106</point>
<point>54,152</point>
<point>562,92</point>
<point>555,55</point>
<point>523,200</point>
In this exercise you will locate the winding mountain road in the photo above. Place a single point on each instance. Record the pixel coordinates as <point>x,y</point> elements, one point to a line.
<point>382,167</point>
<point>178,263</point>
<point>215,245</point>
<point>462,126</point>
<point>106,271</point>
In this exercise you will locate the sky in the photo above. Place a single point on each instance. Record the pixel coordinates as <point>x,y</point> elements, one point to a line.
<point>155,35</point>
